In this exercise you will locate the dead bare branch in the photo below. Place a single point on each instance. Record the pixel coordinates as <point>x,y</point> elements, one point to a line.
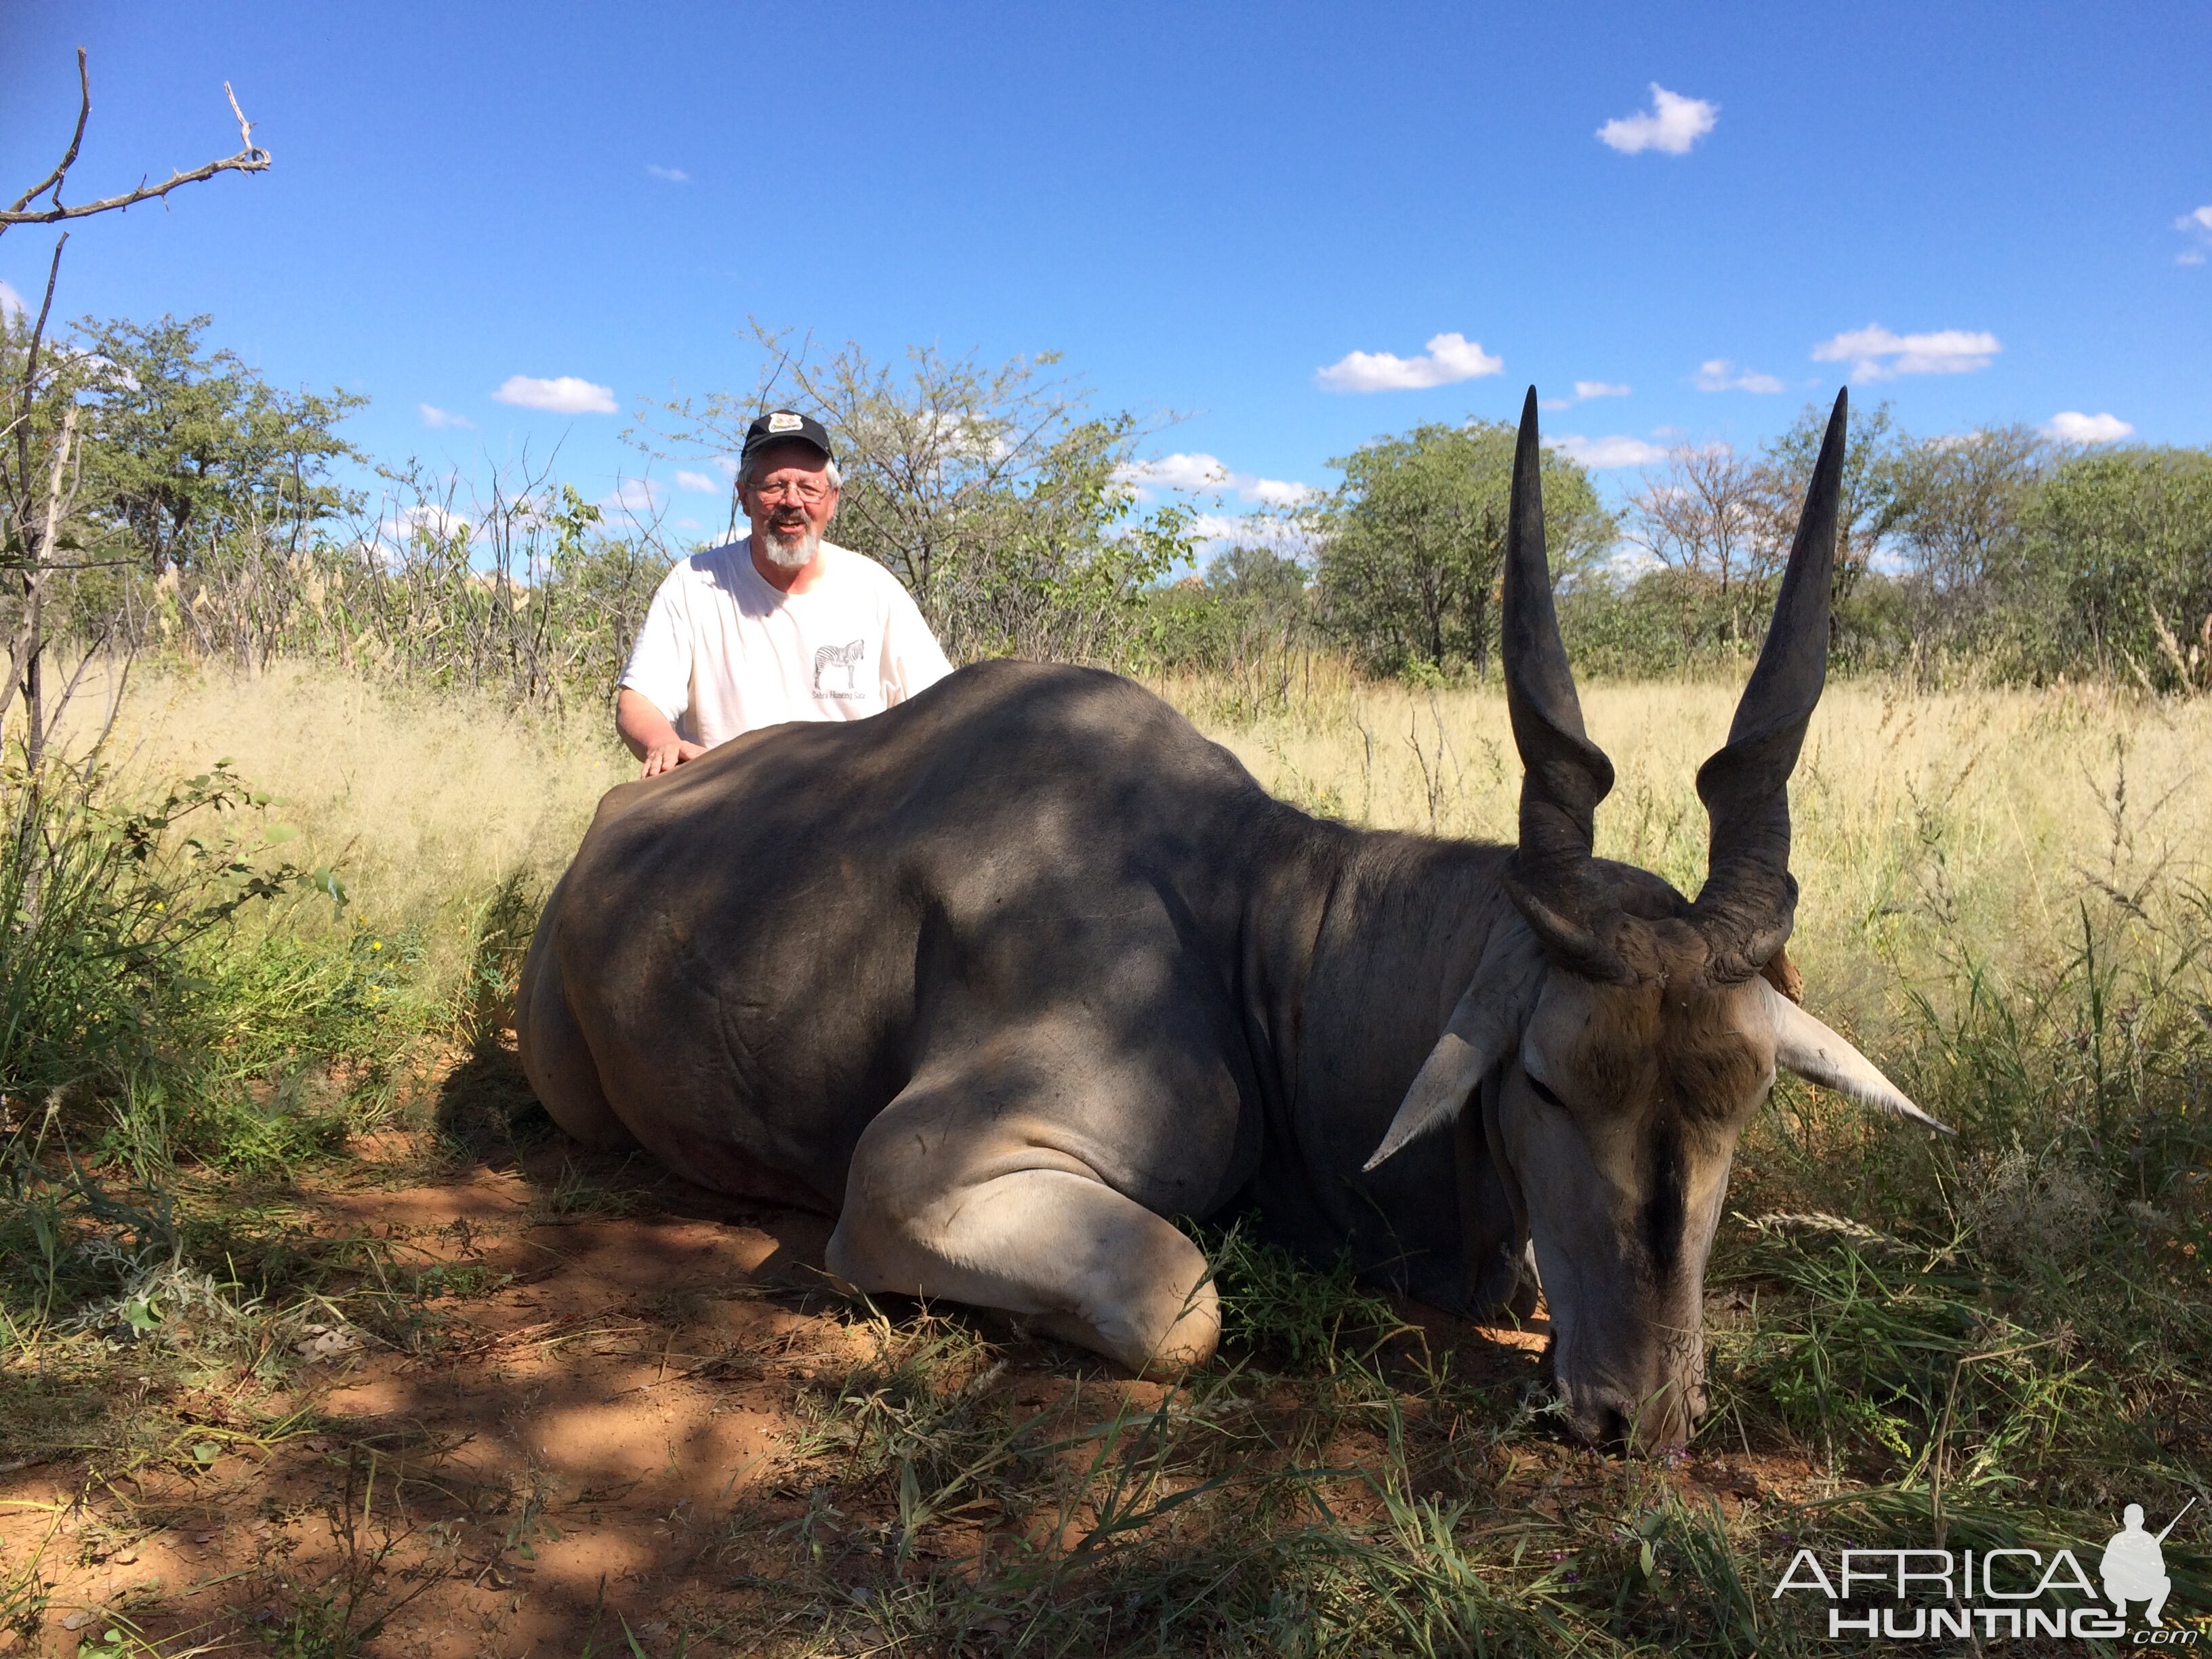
<point>53,179</point>
<point>38,520</point>
<point>27,392</point>
<point>250,159</point>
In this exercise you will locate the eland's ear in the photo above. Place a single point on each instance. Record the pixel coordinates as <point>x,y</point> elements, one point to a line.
<point>1485,1026</point>
<point>1805,1046</point>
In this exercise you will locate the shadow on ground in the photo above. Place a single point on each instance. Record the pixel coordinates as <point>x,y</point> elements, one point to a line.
<point>572,1396</point>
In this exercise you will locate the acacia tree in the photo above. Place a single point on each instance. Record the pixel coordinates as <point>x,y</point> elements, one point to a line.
<point>1867,508</point>
<point>191,449</point>
<point>1263,585</point>
<point>992,493</point>
<point>1704,515</point>
<point>1961,501</point>
<point>2112,568</point>
<point>1413,544</point>
<point>205,478</point>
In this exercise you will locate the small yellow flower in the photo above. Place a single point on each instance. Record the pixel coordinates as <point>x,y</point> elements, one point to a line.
<point>376,944</point>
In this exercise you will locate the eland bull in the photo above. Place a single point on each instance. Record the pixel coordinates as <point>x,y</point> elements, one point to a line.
<point>1007,976</point>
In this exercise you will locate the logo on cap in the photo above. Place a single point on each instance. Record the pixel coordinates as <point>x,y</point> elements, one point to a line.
<point>783,421</point>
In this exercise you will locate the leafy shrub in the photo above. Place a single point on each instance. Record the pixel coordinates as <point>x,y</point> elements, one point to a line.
<point>104,907</point>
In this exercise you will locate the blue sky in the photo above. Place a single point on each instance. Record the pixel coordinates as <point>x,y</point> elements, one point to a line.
<point>1982,212</point>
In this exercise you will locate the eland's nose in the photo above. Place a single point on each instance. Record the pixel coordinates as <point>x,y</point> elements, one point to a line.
<point>1605,1420</point>
<point>1611,1421</point>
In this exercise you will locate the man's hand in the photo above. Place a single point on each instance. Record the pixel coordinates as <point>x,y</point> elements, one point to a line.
<point>668,757</point>
<point>650,736</point>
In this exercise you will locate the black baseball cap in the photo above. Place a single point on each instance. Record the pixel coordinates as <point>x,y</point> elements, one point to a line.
<point>780,425</point>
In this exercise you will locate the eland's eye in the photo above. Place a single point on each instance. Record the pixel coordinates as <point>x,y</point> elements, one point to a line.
<point>1543,1091</point>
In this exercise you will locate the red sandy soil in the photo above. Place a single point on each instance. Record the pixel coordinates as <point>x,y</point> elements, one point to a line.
<point>562,1455</point>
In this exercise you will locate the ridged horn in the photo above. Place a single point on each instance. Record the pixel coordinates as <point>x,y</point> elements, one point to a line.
<point>1564,774</point>
<point>1750,899</point>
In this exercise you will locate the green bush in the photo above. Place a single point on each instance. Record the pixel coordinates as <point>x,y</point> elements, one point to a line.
<point>154,982</point>
<point>106,907</point>
<point>1414,544</point>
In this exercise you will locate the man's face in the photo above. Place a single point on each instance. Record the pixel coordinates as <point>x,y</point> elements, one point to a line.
<point>790,502</point>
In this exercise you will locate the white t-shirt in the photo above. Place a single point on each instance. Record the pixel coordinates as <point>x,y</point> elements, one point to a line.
<point>722,652</point>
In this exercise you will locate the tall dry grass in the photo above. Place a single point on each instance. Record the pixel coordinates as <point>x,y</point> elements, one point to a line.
<point>1934,833</point>
<point>424,803</point>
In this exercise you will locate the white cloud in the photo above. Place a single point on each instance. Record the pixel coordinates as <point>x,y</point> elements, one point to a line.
<point>1601,455</point>
<point>726,465</point>
<point>699,482</point>
<point>632,495</point>
<point>1276,492</point>
<point>1719,374</point>
<point>11,303</point>
<point>565,394</point>
<point>1875,354</point>
<point>1584,390</point>
<point>1176,471</point>
<point>2198,224</point>
<point>397,530</point>
<point>1215,532</point>
<point>1201,474</point>
<point>1672,124</point>
<point>2070,426</point>
<point>1448,358</point>
<point>433,416</point>
<point>668,175</point>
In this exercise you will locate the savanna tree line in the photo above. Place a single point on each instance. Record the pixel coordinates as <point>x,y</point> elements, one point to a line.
<point>209,513</point>
<point>213,514</point>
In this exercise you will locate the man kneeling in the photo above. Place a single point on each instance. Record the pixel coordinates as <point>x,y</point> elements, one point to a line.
<point>779,625</point>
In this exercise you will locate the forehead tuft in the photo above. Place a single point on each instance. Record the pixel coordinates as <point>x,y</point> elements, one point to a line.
<point>1718,1049</point>
<point>1705,1049</point>
<point>1600,1042</point>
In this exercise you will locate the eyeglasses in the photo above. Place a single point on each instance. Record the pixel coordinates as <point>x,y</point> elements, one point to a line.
<point>807,495</point>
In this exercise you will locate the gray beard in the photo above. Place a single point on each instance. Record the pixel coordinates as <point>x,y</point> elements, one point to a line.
<point>794,555</point>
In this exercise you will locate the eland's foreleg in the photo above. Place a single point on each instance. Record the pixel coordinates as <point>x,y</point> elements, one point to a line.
<point>948,1197</point>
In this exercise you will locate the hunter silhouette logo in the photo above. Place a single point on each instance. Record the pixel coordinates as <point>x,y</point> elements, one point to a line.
<point>2133,1567</point>
<point>1936,1594</point>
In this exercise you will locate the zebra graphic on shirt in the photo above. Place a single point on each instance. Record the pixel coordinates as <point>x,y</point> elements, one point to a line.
<point>846,657</point>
